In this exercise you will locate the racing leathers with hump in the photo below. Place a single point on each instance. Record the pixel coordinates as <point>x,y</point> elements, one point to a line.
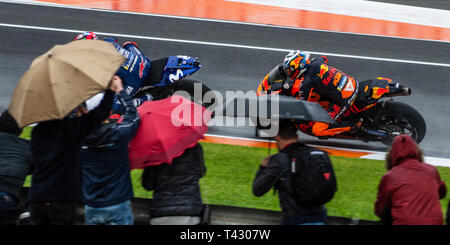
<point>133,71</point>
<point>315,81</point>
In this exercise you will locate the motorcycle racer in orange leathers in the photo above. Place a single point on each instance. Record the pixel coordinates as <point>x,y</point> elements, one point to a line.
<point>311,79</point>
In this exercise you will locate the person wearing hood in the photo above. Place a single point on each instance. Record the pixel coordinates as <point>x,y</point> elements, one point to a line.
<point>409,193</point>
<point>107,188</point>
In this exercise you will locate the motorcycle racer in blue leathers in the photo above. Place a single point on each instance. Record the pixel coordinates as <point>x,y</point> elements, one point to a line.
<point>146,79</point>
<point>133,71</point>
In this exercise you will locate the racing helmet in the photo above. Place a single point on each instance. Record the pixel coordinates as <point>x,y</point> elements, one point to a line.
<point>295,63</point>
<point>86,35</point>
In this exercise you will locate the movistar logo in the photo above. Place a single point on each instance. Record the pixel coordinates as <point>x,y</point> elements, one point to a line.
<point>176,77</point>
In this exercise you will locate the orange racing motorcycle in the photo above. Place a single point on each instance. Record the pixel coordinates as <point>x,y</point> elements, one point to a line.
<point>382,118</point>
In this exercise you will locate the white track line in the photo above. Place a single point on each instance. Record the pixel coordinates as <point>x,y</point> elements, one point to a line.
<point>56,5</point>
<point>221,44</point>
<point>435,161</point>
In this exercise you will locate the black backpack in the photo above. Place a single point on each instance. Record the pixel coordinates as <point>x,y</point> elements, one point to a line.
<point>313,181</point>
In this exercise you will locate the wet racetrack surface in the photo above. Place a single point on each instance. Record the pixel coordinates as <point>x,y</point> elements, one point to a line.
<point>237,57</point>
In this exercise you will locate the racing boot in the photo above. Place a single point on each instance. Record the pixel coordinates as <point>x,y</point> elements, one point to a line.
<point>366,134</point>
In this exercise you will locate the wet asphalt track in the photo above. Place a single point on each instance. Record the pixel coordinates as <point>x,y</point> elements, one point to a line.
<point>241,68</point>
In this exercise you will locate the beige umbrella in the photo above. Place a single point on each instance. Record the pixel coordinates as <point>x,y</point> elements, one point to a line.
<point>62,78</point>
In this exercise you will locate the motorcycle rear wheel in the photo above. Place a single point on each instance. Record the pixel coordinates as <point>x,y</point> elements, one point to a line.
<point>188,86</point>
<point>400,118</point>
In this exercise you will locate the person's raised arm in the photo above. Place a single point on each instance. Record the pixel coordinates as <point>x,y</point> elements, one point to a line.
<point>130,119</point>
<point>268,174</point>
<point>83,126</point>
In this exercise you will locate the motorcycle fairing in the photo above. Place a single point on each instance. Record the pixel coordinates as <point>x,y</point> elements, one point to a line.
<point>177,68</point>
<point>272,83</point>
<point>373,90</point>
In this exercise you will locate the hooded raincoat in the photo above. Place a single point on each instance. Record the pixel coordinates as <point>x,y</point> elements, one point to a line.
<point>409,192</point>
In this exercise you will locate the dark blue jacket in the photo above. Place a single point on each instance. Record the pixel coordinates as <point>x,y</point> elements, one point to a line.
<point>104,159</point>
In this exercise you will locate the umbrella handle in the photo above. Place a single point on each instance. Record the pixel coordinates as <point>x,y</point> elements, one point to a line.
<point>268,152</point>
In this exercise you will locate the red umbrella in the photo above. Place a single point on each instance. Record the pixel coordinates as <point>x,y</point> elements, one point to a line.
<point>167,128</point>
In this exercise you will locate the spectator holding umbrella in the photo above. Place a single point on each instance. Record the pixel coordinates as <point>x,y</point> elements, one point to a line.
<point>107,187</point>
<point>176,198</point>
<point>276,172</point>
<point>56,183</point>
<point>15,165</point>
<point>55,83</point>
<point>166,146</point>
<point>409,193</point>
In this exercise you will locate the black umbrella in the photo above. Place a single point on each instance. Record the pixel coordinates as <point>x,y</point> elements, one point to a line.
<point>265,110</point>
<point>275,107</point>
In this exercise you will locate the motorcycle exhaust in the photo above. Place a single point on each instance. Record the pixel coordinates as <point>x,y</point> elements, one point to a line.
<point>404,92</point>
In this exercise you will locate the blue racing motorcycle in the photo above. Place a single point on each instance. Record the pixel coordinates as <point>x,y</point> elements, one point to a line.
<point>153,80</point>
<point>167,76</point>
<point>158,79</point>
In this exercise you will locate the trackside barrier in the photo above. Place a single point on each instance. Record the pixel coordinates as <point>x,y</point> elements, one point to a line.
<point>228,215</point>
<point>218,214</point>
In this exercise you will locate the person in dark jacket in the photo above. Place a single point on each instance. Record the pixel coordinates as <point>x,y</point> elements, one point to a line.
<point>107,188</point>
<point>409,193</point>
<point>15,165</point>
<point>176,198</point>
<point>271,174</point>
<point>56,179</point>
